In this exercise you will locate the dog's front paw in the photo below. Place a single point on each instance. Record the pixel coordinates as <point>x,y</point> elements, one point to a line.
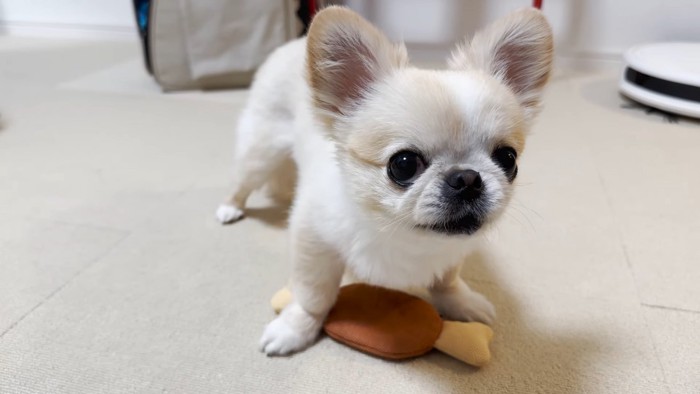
<point>228,213</point>
<point>464,305</point>
<point>293,330</point>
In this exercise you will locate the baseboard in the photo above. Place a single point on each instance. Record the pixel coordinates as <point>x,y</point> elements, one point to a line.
<point>68,31</point>
<point>424,55</point>
<point>436,55</point>
<point>589,61</point>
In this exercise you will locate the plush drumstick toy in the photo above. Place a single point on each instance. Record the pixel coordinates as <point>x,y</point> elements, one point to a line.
<point>395,325</point>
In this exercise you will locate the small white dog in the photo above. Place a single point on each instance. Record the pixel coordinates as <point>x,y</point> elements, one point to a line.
<point>398,168</point>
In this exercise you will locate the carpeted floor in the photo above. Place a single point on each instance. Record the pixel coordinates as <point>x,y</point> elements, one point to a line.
<point>115,276</point>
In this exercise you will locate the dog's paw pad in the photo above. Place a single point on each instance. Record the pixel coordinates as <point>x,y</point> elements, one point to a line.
<point>228,213</point>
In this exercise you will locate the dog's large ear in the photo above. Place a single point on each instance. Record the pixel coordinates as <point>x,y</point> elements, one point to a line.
<point>517,50</point>
<point>345,56</point>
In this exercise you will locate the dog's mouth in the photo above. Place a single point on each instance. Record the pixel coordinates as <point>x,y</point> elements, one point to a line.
<point>465,225</point>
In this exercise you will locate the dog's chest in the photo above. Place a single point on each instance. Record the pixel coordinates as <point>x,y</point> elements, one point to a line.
<point>400,261</point>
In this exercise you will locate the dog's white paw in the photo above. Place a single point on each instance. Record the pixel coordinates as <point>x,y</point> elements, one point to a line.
<point>228,213</point>
<point>464,305</point>
<point>293,330</point>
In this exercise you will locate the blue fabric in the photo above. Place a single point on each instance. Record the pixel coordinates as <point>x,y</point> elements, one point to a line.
<point>142,7</point>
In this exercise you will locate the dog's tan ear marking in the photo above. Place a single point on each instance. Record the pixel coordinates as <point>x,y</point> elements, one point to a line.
<point>517,50</point>
<point>345,55</point>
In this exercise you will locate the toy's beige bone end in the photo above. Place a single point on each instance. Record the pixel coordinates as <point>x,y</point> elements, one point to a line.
<point>468,342</point>
<point>281,299</point>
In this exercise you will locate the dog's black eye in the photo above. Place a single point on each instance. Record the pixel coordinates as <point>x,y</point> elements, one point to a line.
<point>505,158</point>
<point>404,167</point>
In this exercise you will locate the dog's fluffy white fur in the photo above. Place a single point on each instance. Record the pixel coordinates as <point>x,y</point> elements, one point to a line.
<point>338,105</point>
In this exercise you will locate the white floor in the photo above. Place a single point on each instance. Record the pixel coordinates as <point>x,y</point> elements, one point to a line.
<point>115,277</point>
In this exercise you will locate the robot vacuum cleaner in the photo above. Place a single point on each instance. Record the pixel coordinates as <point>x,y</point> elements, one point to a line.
<point>665,76</point>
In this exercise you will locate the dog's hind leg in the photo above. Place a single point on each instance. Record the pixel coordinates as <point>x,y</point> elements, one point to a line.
<point>282,182</point>
<point>263,147</point>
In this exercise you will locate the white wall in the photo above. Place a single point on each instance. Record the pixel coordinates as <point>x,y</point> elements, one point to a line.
<point>68,18</point>
<point>598,29</point>
<point>584,29</point>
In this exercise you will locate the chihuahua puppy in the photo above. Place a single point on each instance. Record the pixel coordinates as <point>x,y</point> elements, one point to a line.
<point>398,168</point>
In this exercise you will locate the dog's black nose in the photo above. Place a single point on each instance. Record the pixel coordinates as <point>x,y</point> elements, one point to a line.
<point>466,182</point>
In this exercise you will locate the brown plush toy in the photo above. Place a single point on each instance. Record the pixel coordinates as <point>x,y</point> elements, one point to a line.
<point>395,325</point>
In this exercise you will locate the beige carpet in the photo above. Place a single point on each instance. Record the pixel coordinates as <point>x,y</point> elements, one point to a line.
<point>115,277</point>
